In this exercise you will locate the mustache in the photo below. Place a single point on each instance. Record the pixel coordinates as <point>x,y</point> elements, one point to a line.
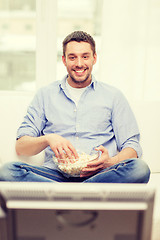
<point>80,68</point>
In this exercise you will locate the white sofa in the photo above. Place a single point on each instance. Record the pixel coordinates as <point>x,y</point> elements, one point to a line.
<point>13,106</point>
<point>148,117</point>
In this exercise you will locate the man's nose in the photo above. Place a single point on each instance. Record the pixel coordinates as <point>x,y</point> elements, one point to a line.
<point>79,62</point>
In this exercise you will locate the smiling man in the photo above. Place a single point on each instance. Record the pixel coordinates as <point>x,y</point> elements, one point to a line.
<point>79,59</point>
<point>79,112</point>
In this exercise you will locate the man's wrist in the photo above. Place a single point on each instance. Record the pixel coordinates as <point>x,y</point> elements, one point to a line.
<point>45,139</point>
<point>115,159</point>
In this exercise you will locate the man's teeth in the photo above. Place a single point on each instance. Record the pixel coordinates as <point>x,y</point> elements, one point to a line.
<point>80,71</point>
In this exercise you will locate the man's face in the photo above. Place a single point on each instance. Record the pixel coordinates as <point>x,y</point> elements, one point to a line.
<point>79,61</point>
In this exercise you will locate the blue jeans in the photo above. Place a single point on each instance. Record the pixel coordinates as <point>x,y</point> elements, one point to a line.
<point>127,171</point>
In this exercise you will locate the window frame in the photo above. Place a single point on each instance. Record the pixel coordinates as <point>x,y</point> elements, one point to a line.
<point>46,46</point>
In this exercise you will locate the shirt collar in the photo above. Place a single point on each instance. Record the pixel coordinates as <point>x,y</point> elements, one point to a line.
<point>62,83</point>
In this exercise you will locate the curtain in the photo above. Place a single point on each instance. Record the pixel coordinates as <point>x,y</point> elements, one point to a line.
<point>130,49</point>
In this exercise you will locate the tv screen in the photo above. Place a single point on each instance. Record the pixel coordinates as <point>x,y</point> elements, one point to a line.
<point>47,211</point>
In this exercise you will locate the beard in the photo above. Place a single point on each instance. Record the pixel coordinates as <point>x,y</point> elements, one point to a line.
<point>79,81</point>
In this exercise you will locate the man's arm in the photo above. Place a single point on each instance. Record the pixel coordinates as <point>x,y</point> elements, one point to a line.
<point>126,153</point>
<point>29,146</point>
<point>106,161</point>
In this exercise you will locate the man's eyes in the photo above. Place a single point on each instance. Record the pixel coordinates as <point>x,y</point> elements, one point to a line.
<point>73,58</point>
<point>85,57</point>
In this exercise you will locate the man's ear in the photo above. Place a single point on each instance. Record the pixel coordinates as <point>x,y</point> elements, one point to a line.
<point>64,60</point>
<point>95,58</point>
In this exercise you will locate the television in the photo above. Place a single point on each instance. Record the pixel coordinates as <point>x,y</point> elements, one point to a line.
<point>66,211</point>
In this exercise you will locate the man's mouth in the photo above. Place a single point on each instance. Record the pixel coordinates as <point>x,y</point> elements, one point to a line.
<point>80,71</point>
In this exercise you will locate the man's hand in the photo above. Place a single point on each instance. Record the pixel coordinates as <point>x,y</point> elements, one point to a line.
<point>95,166</point>
<point>61,146</point>
<point>105,161</point>
<point>29,146</point>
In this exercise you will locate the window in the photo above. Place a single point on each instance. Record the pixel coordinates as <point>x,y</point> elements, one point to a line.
<point>32,31</point>
<point>31,36</point>
<point>76,15</point>
<point>17,44</point>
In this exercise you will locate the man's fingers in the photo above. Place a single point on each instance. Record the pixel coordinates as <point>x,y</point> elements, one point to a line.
<point>102,149</point>
<point>61,147</point>
<point>56,152</point>
<point>65,152</point>
<point>95,163</point>
<point>93,168</point>
<point>74,152</point>
<point>61,153</point>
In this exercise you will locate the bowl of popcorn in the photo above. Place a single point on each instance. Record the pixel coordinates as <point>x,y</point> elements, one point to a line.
<point>73,167</point>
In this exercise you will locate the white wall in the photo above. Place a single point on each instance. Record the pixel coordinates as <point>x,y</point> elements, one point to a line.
<point>130,50</point>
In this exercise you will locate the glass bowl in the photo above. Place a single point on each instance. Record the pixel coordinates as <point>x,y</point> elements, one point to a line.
<point>73,167</point>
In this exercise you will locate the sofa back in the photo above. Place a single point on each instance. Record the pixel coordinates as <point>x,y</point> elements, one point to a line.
<point>148,117</point>
<point>13,107</point>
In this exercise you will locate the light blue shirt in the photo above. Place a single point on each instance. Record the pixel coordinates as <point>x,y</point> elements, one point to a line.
<point>102,117</point>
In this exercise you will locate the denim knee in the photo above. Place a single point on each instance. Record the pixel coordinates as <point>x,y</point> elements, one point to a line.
<point>128,171</point>
<point>142,171</point>
<point>11,171</point>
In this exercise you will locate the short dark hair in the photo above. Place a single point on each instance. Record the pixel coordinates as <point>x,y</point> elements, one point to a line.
<point>79,36</point>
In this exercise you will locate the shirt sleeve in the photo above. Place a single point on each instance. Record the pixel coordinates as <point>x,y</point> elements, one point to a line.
<point>125,125</point>
<point>34,121</point>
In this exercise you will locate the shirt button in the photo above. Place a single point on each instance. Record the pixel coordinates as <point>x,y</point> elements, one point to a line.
<point>75,110</point>
<point>77,138</point>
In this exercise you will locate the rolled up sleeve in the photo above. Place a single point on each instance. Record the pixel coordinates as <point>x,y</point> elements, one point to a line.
<point>34,121</point>
<point>125,125</point>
